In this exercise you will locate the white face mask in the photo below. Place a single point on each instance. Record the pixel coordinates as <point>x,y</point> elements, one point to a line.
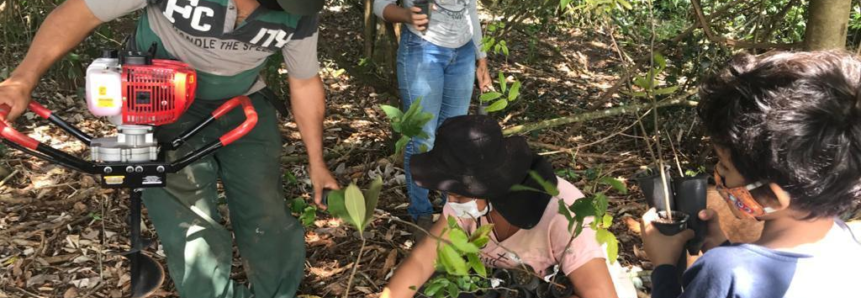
<point>468,210</point>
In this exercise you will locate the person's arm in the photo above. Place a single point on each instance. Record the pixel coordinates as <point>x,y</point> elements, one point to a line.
<point>391,12</point>
<point>308,101</point>
<point>482,74</point>
<point>417,268</point>
<point>592,280</point>
<point>62,30</point>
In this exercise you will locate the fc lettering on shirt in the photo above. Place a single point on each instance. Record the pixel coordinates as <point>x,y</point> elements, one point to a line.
<point>201,18</point>
<point>192,11</point>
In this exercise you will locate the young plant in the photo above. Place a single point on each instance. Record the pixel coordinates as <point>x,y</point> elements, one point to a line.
<point>695,172</point>
<point>305,212</point>
<point>595,206</point>
<point>501,98</point>
<point>649,83</point>
<point>356,207</point>
<point>488,41</point>
<point>459,259</point>
<point>408,124</point>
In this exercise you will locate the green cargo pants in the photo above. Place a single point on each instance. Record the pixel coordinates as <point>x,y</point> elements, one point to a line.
<point>199,248</point>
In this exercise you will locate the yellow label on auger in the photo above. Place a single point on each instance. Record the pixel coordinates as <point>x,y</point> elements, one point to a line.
<point>114,180</point>
<point>105,102</point>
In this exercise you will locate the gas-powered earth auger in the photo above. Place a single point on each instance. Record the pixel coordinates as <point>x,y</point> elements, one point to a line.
<point>136,93</point>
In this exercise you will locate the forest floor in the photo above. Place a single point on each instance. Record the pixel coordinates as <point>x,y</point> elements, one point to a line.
<point>60,231</point>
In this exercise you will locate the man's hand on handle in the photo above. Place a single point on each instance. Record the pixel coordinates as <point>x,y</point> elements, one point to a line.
<point>322,179</point>
<point>16,95</point>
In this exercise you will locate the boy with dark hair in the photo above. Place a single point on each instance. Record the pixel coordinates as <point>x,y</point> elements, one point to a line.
<point>787,131</point>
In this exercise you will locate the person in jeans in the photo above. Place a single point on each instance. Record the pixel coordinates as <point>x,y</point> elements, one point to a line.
<point>438,57</point>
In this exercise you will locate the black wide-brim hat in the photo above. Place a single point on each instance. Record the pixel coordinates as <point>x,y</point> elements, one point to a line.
<point>471,158</point>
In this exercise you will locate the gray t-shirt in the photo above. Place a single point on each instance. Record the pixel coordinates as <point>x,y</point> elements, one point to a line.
<point>452,25</point>
<point>203,33</point>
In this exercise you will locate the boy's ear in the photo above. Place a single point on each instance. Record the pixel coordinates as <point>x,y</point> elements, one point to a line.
<point>782,196</point>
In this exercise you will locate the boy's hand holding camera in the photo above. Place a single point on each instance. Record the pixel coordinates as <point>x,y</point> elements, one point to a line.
<point>665,250</point>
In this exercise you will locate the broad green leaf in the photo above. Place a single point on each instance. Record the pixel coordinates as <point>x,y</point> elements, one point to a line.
<point>625,4</point>
<point>504,49</point>
<point>337,206</point>
<point>452,290</point>
<point>563,209</point>
<point>461,242</point>
<point>482,232</point>
<point>433,288</point>
<point>497,106</point>
<point>548,187</point>
<point>635,94</point>
<point>477,265</point>
<point>372,196</point>
<point>452,222</point>
<point>309,215</point>
<point>452,261</point>
<point>297,205</point>
<point>401,144</point>
<point>392,112</point>
<point>514,92</point>
<point>615,183</point>
<point>605,237</point>
<point>355,203</point>
<point>607,221</point>
<point>503,85</point>
<point>601,203</point>
<point>489,96</point>
<point>667,90</point>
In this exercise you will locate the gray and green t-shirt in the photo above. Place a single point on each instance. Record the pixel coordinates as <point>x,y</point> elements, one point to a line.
<point>203,33</point>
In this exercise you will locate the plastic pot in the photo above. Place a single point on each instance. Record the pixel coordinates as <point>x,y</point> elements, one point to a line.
<point>691,199</point>
<point>557,292</point>
<point>517,291</point>
<point>679,223</point>
<point>653,190</point>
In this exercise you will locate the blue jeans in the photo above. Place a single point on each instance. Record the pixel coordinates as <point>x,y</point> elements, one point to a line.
<point>443,78</point>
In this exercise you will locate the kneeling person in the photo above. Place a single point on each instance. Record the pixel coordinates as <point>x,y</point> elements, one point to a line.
<point>478,167</point>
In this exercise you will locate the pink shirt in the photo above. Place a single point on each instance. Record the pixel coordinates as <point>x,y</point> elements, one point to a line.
<point>542,246</point>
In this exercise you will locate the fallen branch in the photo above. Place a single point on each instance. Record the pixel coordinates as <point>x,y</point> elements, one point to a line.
<point>679,100</point>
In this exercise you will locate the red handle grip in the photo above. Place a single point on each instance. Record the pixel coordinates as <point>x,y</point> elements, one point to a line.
<point>245,127</point>
<point>9,133</point>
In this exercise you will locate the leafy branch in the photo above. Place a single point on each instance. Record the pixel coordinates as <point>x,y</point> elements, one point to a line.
<point>408,124</point>
<point>502,98</point>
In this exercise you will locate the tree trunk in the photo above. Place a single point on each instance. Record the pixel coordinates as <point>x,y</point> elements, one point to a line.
<point>827,25</point>
<point>370,29</point>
